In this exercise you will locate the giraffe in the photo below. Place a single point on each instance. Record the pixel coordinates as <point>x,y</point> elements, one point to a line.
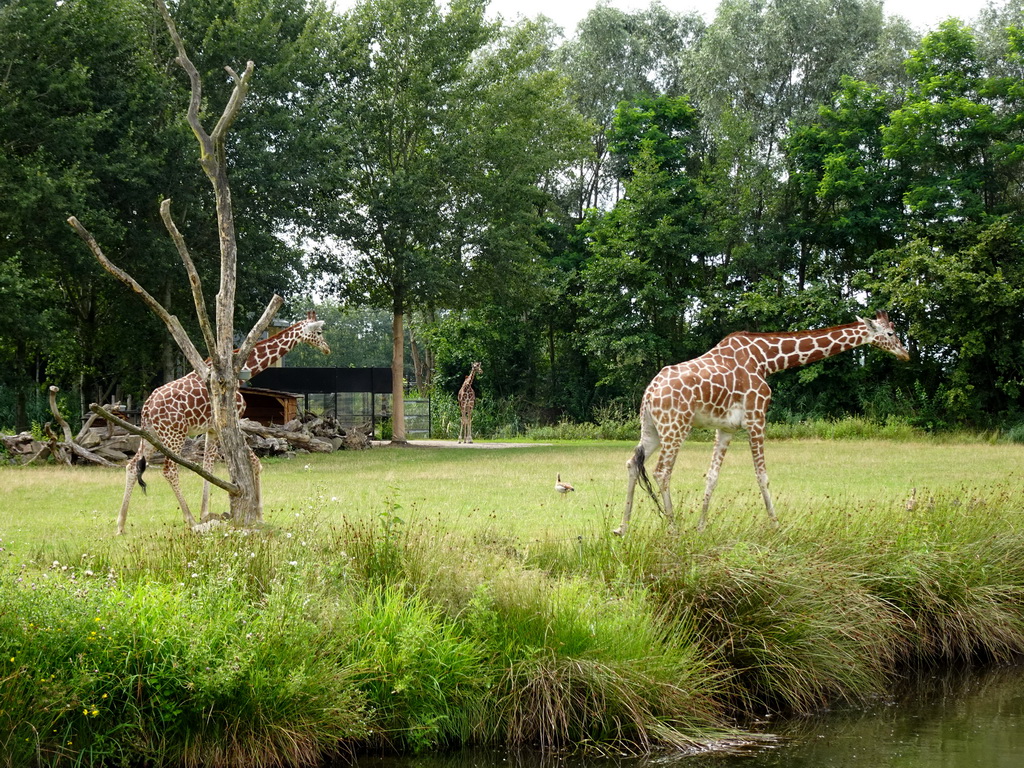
<point>467,399</point>
<point>182,407</point>
<point>726,388</point>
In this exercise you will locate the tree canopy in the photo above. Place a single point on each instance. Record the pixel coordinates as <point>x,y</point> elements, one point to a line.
<point>573,209</point>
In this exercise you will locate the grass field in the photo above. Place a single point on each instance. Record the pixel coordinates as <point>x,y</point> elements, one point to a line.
<point>415,599</point>
<point>509,492</point>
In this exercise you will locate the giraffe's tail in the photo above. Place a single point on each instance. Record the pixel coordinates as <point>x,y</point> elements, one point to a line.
<point>639,457</point>
<point>139,469</point>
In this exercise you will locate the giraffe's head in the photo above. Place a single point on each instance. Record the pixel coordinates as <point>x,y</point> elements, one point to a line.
<point>882,334</point>
<point>476,368</point>
<point>311,331</point>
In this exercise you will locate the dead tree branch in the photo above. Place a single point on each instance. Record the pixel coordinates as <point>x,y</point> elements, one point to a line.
<point>167,452</point>
<point>63,451</point>
<point>57,415</point>
<point>195,359</point>
<point>193,276</point>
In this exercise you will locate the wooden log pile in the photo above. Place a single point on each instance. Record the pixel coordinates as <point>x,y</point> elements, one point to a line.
<point>308,432</point>
<point>110,445</point>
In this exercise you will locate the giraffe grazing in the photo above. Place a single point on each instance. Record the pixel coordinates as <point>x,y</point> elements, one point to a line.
<point>182,407</point>
<point>467,399</point>
<point>726,388</point>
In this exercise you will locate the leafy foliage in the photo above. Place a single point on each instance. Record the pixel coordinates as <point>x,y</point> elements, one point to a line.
<point>574,211</point>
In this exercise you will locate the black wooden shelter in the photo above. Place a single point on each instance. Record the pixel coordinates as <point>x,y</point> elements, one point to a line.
<point>330,386</point>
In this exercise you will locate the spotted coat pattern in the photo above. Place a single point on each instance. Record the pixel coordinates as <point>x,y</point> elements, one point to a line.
<point>181,408</point>
<point>467,400</point>
<point>726,389</point>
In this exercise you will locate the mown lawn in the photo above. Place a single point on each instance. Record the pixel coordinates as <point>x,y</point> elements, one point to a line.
<point>509,492</point>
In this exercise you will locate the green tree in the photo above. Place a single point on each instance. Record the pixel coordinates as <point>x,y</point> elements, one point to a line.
<point>957,143</point>
<point>86,126</point>
<point>649,253</point>
<point>945,137</point>
<point>79,82</point>
<point>759,68</point>
<point>847,196</point>
<point>278,152</point>
<point>445,131</point>
<point>617,56</point>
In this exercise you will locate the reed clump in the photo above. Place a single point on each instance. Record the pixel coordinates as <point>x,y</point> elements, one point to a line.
<point>288,645</point>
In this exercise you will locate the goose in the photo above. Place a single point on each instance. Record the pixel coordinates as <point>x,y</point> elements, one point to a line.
<point>562,487</point>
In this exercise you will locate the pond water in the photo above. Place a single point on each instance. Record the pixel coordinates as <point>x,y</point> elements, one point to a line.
<point>949,721</point>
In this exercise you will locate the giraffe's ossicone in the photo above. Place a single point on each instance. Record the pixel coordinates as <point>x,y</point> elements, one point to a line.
<point>726,389</point>
<point>182,408</point>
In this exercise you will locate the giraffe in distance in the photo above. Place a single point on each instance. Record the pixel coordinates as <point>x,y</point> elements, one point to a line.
<point>467,399</point>
<point>726,389</point>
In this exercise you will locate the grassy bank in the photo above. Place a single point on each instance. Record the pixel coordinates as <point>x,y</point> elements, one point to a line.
<point>420,599</point>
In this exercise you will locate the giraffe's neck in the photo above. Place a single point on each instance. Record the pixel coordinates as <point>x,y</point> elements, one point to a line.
<point>467,385</point>
<point>269,351</point>
<point>778,351</point>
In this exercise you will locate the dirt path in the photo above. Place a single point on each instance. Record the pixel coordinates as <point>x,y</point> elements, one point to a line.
<point>456,444</point>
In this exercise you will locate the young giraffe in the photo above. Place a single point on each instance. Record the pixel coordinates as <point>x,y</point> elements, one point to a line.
<point>726,388</point>
<point>467,399</point>
<point>182,407</point>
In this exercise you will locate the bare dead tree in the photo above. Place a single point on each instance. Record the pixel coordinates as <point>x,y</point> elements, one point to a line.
<point>222,368</point>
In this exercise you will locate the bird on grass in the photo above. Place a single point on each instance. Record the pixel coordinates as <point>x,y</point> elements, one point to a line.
<point>562,487</point>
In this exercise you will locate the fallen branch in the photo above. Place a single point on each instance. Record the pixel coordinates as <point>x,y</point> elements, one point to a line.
<point>60,450</point>
<point>57,415</point>
<point>86,427</point>
<point>53,445</point>
<point>298,439</point>
<point>153,440</point>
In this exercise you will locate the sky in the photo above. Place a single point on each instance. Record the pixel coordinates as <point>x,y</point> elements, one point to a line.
<point>923,15</point>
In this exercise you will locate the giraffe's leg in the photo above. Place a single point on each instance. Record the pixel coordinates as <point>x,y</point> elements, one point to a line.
<point>171,473</point>
<point>132,474</point>
<point>469,425</point>
<point>635,471</point>
<point>670,446</point>
<point>722,440</point>
<point>757,449</point>
<point>633,467</point>
<point>649,442</point>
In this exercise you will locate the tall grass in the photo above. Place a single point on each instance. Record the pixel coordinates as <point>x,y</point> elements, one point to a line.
<point>398,628</point>
<point>833,607</point>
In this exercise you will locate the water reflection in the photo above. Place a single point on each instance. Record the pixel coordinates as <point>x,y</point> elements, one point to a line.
<point>944,722</point>
<point>960,721</point>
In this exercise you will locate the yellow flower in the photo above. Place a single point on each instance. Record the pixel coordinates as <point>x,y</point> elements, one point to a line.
<point>95,712</point>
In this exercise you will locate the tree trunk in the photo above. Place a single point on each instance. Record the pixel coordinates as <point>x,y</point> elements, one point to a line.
<point>21,423</point>
<point>245,505</point>
<point>398,375</point>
